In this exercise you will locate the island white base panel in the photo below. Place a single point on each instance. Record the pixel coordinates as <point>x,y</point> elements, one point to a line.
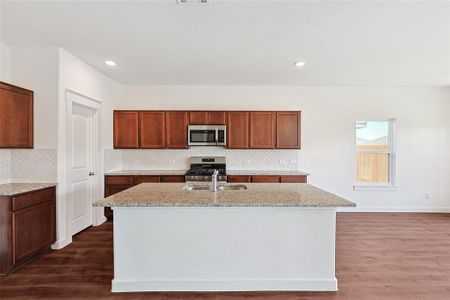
<point>224,249</point>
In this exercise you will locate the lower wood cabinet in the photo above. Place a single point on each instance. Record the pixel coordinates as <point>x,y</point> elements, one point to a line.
<point>27,227</point>
<point>115,184</point>
<point>267,179</point>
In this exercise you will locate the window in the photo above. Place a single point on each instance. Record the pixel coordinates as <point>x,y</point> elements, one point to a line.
<point>374,154</point>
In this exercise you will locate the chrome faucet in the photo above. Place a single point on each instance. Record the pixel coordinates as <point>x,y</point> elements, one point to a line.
<point>214,181</point>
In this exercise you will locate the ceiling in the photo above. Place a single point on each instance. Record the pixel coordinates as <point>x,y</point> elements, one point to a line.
<point>355,43</point>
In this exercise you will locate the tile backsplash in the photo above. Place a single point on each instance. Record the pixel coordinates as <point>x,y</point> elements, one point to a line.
<point>33,165</point>
<point>5,166</point>
<point>168,159</point>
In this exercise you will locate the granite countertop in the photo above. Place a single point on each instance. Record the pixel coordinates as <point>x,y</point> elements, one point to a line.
<point>257,195</point>
<point>12,189</point>
<point>183,172</point>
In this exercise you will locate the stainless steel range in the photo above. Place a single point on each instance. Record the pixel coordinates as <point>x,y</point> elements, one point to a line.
<point>202,169</point>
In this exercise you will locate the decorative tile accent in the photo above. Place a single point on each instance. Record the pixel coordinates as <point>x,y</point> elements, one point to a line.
<point>167,159</point>
<point>33,165</point>
<point>5,166</point>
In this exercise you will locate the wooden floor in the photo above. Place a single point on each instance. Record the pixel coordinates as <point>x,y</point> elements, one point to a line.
<point>378,256</point>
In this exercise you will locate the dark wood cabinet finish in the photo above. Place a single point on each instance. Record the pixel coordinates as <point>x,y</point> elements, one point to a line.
<point>237,130</point>
<point>293,179</point>
<point>245,130</point>
<point>119,180</point>
<point>198,117</point>
<point>238,178</point>
<point>152,129</point>
<point>16,117</point>
<point>288,130</point>
<point>263,130</point>
<point>216,118</point>
<point>173,178</point>
<point>176,129</point>
<point>207,118</point>
<point>27,227</point>
<point>145,178</point>
<point>126,129</point>
<point>265,179</point>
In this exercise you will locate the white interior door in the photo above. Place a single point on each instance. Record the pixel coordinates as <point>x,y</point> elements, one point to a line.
<point>81,167</point>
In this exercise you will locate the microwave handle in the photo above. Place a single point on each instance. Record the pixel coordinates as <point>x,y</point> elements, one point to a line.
<point>217,137</point>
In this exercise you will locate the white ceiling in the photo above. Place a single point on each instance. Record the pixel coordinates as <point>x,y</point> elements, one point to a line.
<point>245,42</point>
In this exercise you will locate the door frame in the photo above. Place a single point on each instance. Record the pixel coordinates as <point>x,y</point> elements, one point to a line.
<point>98,215</point>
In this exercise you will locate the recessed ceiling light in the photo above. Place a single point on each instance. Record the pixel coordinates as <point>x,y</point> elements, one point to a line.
<point>110,63</point>
<point>299,63</point>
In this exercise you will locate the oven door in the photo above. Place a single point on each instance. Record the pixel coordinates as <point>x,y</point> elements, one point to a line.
<point>202,135</point>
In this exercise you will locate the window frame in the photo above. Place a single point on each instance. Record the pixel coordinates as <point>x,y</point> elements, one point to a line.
<point>371,186</point>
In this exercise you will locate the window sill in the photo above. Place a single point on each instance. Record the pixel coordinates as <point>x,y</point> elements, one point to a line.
<point>374,187</point>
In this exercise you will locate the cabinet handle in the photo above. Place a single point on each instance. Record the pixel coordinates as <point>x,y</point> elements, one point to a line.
<point>91,173</point>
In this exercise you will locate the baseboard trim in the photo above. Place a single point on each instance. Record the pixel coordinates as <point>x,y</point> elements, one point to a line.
<point>61,244</point>
<point>101,221</point>
<point>329,285</point>
<point>396,209</point>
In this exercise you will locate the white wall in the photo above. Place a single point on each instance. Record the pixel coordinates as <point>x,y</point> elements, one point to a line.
<point>78,77</point>
<point>328,137</point>
<point>5,64</point>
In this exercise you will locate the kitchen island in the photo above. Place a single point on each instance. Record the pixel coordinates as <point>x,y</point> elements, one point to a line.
<point>266,237</point>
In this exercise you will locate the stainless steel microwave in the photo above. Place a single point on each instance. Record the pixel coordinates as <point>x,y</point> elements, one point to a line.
<point>207,135</point>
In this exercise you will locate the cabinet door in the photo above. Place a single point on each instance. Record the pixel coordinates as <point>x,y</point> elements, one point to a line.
<point>216,118</point>
<point>265,179</point>
<point>126,129</point>
<point>237,130</point>
<point>16,117</point>
<point>172,178</point>
<point>198,117</point>
<point>34,229</point>
<point>176,129</point>
<point>288,130</point>
<point>152,129</point>
<point>293,179</point>
<point>143,179</point>
<point>238,178</point>
<point>263,128</point>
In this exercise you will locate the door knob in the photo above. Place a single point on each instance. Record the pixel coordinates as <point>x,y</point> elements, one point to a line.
<point>91,173</point>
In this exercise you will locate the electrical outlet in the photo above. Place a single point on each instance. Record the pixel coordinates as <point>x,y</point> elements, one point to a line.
<point>427,196</point>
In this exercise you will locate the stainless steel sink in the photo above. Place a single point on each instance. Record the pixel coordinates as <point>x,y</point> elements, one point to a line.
<point>196,187</point>
<point>234,187</point>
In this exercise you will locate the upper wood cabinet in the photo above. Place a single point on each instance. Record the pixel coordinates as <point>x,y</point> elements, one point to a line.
<point>176,129</point>
<point>237,129</point>
<point>288,130</point>
<point>263,130</point>
<point>168,129</point>
<point>16,117</point>
<point>126,128</point>
<point>216,118</point>
<point>207,117</point>
<point>152,129</point>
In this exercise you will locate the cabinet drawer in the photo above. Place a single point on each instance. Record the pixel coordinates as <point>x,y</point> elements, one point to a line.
<point>293,179</point>
<point>173,178</point>
<point>265,179</point>
<point>142,179</point>
<point>238,178</point>
<point>33,198</point>
<point>119,180</point>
